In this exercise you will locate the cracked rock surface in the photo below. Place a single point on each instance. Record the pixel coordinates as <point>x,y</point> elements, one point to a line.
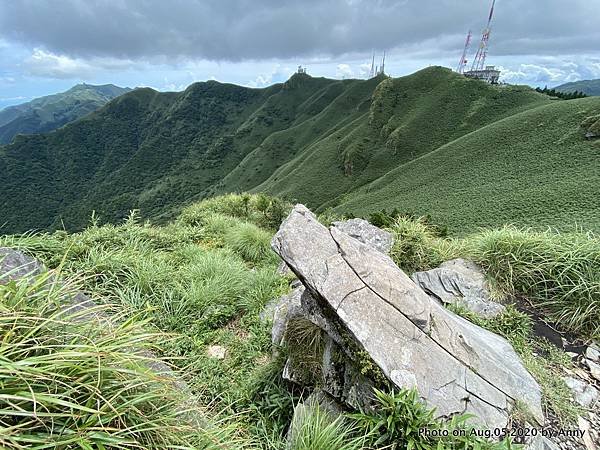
<point>455,365</point>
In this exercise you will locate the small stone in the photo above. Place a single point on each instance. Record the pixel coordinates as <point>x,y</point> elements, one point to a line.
<point>15,265</point>
<point>585,394</point>
<point>217,351</point>
<point>594,368</point>
<point>593,353</point>
<point>462,283</point>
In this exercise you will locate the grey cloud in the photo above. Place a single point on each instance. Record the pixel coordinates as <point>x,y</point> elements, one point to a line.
<point>235,30</point>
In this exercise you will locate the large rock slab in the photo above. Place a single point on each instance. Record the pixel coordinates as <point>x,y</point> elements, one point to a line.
<point>462,283</point>
<point>455,365</point>
<point>367,233</point>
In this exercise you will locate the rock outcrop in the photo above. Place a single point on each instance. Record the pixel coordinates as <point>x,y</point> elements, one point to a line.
<point>15,265</point>
<point>371,319</point>
<point>462,283</point>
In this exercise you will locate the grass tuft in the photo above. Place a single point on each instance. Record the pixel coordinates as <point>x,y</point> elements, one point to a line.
<point>70,382</point>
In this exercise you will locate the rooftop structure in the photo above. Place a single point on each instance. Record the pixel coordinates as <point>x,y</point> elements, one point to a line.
<point>489,74</point>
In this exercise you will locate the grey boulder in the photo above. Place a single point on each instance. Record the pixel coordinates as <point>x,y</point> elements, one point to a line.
<point>15,265</point>
<point>459,282</point>
<point>456,366</point>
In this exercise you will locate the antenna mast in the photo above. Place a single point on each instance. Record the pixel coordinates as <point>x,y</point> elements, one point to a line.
<point>373,66</point>
<point>463,58</point>
<point>479,61</point>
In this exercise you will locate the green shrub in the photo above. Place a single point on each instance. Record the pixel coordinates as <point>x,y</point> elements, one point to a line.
<point>210,295</point>
<point>417,245</point>
<point>401,421</point>
<point>270,403</point>
<point>316,429</point>
<point>250,242</point>
<point>592,124</point>
<point>259,209</point>
<point>385,219</point>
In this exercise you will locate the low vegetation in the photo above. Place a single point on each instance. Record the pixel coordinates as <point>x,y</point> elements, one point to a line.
<point>199,283</point>
<point>402,421</point>
<point>557,272</point>
<point>68,382</point>
<point>203,286</point>
<point>529,169</point>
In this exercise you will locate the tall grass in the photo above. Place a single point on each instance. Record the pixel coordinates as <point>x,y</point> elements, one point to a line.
<point>313,428</point>
<point>417,246</point>
<point>559,273</point>
<point>195,280</point>
<point>250,242</point>
<point>260,209</point>
<point>67,381</point>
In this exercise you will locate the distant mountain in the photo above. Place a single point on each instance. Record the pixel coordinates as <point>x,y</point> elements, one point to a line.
<point>588,87</point>
<point>467,153</point>
<point>53,111</point>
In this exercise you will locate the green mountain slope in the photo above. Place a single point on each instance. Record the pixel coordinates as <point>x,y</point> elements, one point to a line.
<point>346,144</point>
<point>533,168</point>
<point>53,111</point>
<point>588,87</point>
<point>406,118</point>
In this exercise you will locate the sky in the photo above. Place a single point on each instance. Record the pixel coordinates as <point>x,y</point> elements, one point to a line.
<point>47,46</point>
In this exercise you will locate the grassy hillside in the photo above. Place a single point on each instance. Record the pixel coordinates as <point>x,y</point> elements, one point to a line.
<point>588,87</point>
<point>53,111</point>
<point>406,118</point>
<point>532,168</point>
<point>350,145</point>
<point>148,150</point>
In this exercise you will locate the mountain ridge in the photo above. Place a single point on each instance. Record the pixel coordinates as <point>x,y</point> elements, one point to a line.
<point>322,142</point>
<point>47,113</point>
<point>588,87</point>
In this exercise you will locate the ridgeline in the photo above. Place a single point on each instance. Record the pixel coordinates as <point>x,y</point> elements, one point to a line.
<point>464,152</point>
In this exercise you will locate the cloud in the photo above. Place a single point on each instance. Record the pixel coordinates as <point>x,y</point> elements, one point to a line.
<point>344,71</point>
<point>236,30</point>
<point>47,64</point>
<point>549,71</point>
<point>12,99</point>
<point>42,63</point>
<point>278,74</point>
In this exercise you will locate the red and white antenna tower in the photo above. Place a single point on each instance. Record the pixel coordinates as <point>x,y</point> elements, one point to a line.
<point>463,58</point>
<point>479,61</point>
